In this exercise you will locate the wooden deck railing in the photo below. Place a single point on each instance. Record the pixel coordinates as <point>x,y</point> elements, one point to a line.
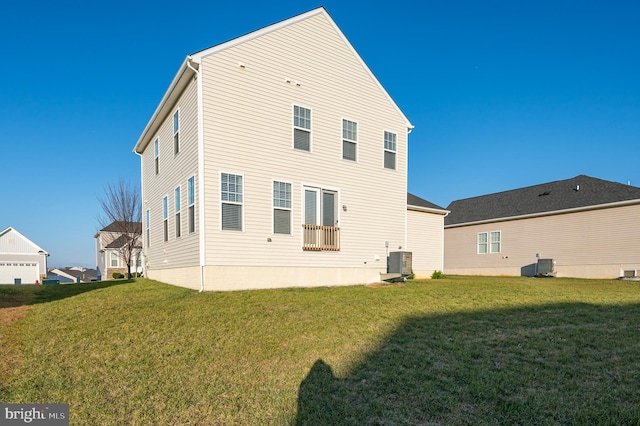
<point>318,237</point>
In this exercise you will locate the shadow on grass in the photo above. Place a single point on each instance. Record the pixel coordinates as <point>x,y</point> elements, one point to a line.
<point>551,364</point>
<point>14,296</point>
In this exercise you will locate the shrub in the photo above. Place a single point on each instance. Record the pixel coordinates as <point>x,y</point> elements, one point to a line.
<point>436,275</point>
<point>117,275</point>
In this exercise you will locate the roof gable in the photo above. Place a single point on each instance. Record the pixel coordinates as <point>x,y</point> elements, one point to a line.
<point>580,192</point>
<point>11,241</point>
<point>192,63</point>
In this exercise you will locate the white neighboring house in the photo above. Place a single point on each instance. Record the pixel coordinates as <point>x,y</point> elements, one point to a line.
<point>277,159</point>
<point>21,260</point>
<point>109,259</point>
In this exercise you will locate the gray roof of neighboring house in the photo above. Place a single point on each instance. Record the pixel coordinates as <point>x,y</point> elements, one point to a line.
<point>117,227</point>
<point>413,200</point>
<point>120,242</point>
<point>578,192</point>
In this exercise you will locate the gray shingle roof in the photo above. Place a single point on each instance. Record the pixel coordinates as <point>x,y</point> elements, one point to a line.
<point>117,227</point>
<point>578,192</point>
<point>413,200</point>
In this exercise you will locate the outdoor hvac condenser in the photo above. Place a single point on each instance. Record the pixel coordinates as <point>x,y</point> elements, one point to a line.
<point>400,263</point>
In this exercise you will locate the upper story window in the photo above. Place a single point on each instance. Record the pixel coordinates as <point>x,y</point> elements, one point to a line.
<point>176,132</point>
<point>165,217</point>
<point>177,212</point>
<point>301,128</point>
<point>389,150</point>
<point>495,242</point>
<point>191,202</point>
<point>349,139</point>
<point>281,207</point>
<point>156,155</point>
<point>231,195</point>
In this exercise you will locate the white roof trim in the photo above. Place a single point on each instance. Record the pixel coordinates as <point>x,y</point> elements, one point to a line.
<point>428,209</point>
<point>39,249</point>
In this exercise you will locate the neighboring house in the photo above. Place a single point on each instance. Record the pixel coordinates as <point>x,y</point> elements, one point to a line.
<point>275,159</point>
<point>74,274</point>
<point>589,227</point>
<point>109,243</point>
<point>425,235</point>
<point>21,260</point>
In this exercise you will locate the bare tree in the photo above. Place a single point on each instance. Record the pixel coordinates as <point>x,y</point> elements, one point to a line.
<point>122,215</point>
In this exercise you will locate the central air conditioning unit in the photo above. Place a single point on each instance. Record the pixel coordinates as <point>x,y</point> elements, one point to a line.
<point>631,274</point>
<point>546,268</point>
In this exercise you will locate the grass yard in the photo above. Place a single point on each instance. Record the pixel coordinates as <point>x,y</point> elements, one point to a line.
<point>459,350</point>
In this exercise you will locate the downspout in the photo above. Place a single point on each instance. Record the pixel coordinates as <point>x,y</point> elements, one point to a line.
<point>145,244</point>
<point>201,216</point>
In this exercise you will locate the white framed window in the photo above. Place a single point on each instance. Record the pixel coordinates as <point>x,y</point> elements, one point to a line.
<point>231,194</point>
<point>301,128</point>
<point>390,147</point>
<point>482,243</point>
<point>176,132</point>
<point>177,212</point>
<point>147,226</point>
<point>495,242</point>
<point>114,259</point>
<point>281,207</point>
<point>165,217</point>
<point>191,202</point>
<point>156,155</point>
<point>349,139</point>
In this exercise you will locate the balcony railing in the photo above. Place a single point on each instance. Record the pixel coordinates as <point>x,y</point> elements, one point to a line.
<point>318,238</point>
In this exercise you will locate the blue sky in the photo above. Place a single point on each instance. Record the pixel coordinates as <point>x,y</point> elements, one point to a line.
<point>503,94</point>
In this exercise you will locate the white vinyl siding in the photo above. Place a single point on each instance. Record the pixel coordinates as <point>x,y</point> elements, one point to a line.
<point>349,139</point>
<point>301,128</point>
<point>231,190</point>
<point>390,147</point>
<point>482,243</point>
<point>281,207</point>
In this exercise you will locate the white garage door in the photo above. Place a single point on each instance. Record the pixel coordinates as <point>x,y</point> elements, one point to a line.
<point>26,271</point>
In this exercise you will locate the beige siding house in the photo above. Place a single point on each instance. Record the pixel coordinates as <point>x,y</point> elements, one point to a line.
<point>589,227</point>
<point>109,252</point>
<point>425,236</point>
<point>275,159</point>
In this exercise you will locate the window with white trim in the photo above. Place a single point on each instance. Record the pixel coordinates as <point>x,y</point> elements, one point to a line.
<point>281,207</point>
<point>114,259</point>
<point>191,201</point>
<point>349,139</point>
<point>176,132</point>
<point>177,212</point>
<point>156,155</point>
<point>482,243</point>
<point>232,199</point>
<point>390,150</point>
<point>495,242</point>
<point>165,217</point>
<point>301,128</point>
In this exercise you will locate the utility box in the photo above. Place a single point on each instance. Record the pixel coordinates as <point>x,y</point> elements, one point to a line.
<point>546,268</point>
<point>400,263</point>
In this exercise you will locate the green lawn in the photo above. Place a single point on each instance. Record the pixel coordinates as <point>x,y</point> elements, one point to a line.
<point>458,350</point>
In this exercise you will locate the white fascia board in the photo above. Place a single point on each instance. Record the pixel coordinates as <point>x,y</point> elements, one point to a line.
<point>428,210</point>
<point>176,87</point>
<point>551,213</point>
